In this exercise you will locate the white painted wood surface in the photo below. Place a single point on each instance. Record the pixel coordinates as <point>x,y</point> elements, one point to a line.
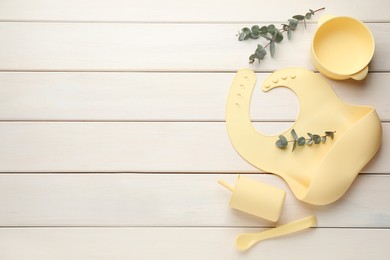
<point>154,47</point>
<point>113,96</point>
<point>112,134</point>
<point>133,199</point>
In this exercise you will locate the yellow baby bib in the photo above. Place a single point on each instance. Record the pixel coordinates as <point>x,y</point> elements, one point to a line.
<point>318,174</point>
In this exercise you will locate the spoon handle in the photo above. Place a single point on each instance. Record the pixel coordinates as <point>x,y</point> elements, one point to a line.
<point>246,240</point>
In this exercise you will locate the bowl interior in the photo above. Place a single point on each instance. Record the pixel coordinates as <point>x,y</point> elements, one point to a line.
<point>343,45</point>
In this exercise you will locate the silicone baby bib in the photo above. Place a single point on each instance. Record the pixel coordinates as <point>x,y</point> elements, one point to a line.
<point>318,174</point>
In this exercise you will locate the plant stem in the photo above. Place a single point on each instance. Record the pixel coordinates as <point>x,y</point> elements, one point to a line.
<point>307,139</point>
<point>283,30</point>
<point>322,8</point>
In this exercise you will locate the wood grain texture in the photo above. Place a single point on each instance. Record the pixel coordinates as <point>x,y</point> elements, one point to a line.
<point>112,133</point>
<point>111,96</point>
<point>188,243</point>
<point>134,147</point>
<point>154,47</point>
<point>183,11</point>
<point>171,200</point>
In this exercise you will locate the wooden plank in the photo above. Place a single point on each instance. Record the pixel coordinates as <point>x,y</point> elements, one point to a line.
<point>187,243</point>
<point>73,147</point>
<point>183,11</point>
<point>176,200</point>
<point>159,96</point>
<point>154,47</point>
<point>133,147</point>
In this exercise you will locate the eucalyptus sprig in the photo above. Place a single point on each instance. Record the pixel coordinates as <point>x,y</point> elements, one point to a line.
<point>301,141</point>
<point>272,34</point>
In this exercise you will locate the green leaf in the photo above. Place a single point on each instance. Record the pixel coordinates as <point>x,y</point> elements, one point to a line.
<point>330,134</point>
<point>289,34</point>
<point>245,34</point>
<point>266,37</point>
<point>310,142</point>
<point>293,24</point>
<point>278,36</point>
<point>308,15</point>
<point>294,145</point>
<point>255,28</point>
<point>311,11</point>
<point>260,52</point>
<point>301,141</point>
<point>255,35</point>
<point>294,134</point>
<point>299,17</point>
<point>252,58</point>
<point>271,29</point>
<point>310,135</point>
<point>282,142</point>
<point>272,48</point>
<point>255,32</point>
<point>241,36</point>
<point>263,30</point>
<point>323,139</point>
<point>317,139</point>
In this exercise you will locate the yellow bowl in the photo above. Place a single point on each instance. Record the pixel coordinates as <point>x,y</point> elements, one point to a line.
<point>342,47</point>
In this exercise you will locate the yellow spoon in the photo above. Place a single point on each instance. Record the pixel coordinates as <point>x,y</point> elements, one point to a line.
<point>246,240</point>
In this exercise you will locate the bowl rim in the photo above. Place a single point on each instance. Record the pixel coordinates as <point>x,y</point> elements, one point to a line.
<point>360,23</point>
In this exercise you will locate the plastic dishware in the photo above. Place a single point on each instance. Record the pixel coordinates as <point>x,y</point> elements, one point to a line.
<point>342,47</point>
<point>256,198</point>
<point>246,240</point>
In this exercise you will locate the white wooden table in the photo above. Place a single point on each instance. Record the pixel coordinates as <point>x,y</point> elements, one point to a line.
<point>112,134</point>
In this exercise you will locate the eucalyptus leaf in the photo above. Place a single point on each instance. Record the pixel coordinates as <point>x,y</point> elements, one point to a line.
<point>255,34</point>
<point>252,58</point>
<point>272,48</point>
<point>299,17</point>
<point>244,34</point>
<point>271,29</point>
<point>241,36</point>
<point>278,36</point>
<point>293,24</point>
<point>330,134</point>
<point>294,134</point>
<point>293,20</point>
<point>282,142</point>
<point>265,36</point>
<point>263,30</point>
<point>255,28</point>
<point>260,52</point>
<point>317,139</point>
<point>301,141</point>
<point>284,139</point>
<point>272,34</point>
<point>294,145</point>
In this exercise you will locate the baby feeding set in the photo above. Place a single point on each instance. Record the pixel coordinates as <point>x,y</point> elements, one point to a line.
<point>322,171</point>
